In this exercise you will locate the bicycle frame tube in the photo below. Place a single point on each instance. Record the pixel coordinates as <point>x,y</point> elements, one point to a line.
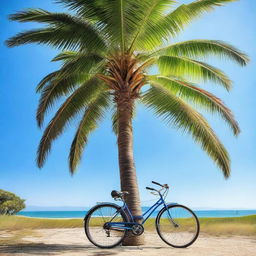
<point>145,215</point>
<point>148,213</point>
<point>125,208</point>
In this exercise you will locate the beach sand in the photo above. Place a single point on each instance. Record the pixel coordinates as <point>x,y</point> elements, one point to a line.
<point>74,242</point>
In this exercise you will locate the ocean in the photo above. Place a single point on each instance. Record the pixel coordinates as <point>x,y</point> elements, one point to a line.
<point>81,214</point>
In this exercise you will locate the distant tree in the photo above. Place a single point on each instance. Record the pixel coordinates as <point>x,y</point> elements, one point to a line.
<point>10,203</point>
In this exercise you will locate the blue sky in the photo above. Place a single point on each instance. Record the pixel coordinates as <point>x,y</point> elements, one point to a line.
<point>161,153</point>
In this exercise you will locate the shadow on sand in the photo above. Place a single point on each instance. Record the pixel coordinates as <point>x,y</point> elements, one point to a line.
<point>52,249</point>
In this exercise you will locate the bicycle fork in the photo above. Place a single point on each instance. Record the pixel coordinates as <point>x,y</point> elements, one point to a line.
<point>170,218</point>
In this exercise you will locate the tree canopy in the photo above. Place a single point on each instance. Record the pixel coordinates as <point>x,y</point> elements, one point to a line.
<point>108,47</point>
<point>10,203</point>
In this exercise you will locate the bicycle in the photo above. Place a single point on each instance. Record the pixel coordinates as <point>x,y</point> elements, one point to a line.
<point>107,224</point>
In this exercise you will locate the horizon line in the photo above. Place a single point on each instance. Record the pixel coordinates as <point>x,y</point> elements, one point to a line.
<point>84,207</point>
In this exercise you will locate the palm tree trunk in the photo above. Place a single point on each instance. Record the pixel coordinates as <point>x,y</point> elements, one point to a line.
<point>128,176</point>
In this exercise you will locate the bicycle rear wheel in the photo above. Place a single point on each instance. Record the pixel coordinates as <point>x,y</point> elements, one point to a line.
<point>177,226</point>
<point>96,229</point>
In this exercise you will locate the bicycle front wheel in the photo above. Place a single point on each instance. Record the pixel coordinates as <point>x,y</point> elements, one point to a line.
<point>97,225</point>
<point>177,226</point>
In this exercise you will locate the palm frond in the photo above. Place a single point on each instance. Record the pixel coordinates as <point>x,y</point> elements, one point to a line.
<point>108,16</point>
<point>196,96</point>
<point>64,31</point>
<point>152,13</point>
<point>53,91</point>
<point>115,22</point>
<point>78,59</point>
<point>77,69</point>
<point>186,13</point>
<point>175,21</point>
<point>119,20</point>
<point>90,120</point>
<point>176,112</point>
<point>82,63</point>
<point>65,56</point>
<point>83,96</point>
<point>121,14</point>
<point>203,48</point>
<point>90,10</point>
<point>181,66</point>
<point>46,80</point>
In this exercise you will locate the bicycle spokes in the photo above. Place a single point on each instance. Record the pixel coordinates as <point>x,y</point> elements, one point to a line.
<point>99,229</point>
<point>178,226</point>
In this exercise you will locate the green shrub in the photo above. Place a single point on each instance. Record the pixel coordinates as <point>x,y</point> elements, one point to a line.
<point>10,203</point>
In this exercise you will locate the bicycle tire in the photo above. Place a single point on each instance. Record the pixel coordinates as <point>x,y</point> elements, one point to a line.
<point>163,237</point>
<point>88,230</point>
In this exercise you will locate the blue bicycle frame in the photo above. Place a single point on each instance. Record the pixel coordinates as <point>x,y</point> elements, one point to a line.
<point>132,219</point>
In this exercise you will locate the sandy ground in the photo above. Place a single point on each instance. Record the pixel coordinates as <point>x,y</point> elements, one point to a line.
<point>74,242</point>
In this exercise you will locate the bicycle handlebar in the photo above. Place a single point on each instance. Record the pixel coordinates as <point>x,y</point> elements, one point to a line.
<point>154,182</point>
<point>163,186</point>
<point>151,188</point>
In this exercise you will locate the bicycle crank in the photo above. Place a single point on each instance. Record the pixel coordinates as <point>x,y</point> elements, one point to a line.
<point>137,229</point>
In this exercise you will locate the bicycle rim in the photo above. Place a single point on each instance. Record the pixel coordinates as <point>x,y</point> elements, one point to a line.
<point>96,230</point>
<point>179,227</point>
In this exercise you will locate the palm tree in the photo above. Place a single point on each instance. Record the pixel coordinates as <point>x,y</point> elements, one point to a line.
<point>106,49</point>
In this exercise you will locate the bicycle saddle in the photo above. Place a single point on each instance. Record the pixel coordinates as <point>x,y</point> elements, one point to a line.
<point>118,194</point>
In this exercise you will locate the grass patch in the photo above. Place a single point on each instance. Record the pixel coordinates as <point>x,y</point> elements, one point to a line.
<point>229,226</point>
<point>212,226</point>
<point>20,222</point>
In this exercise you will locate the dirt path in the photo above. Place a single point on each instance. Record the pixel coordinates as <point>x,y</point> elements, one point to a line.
<point>74,242</point>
